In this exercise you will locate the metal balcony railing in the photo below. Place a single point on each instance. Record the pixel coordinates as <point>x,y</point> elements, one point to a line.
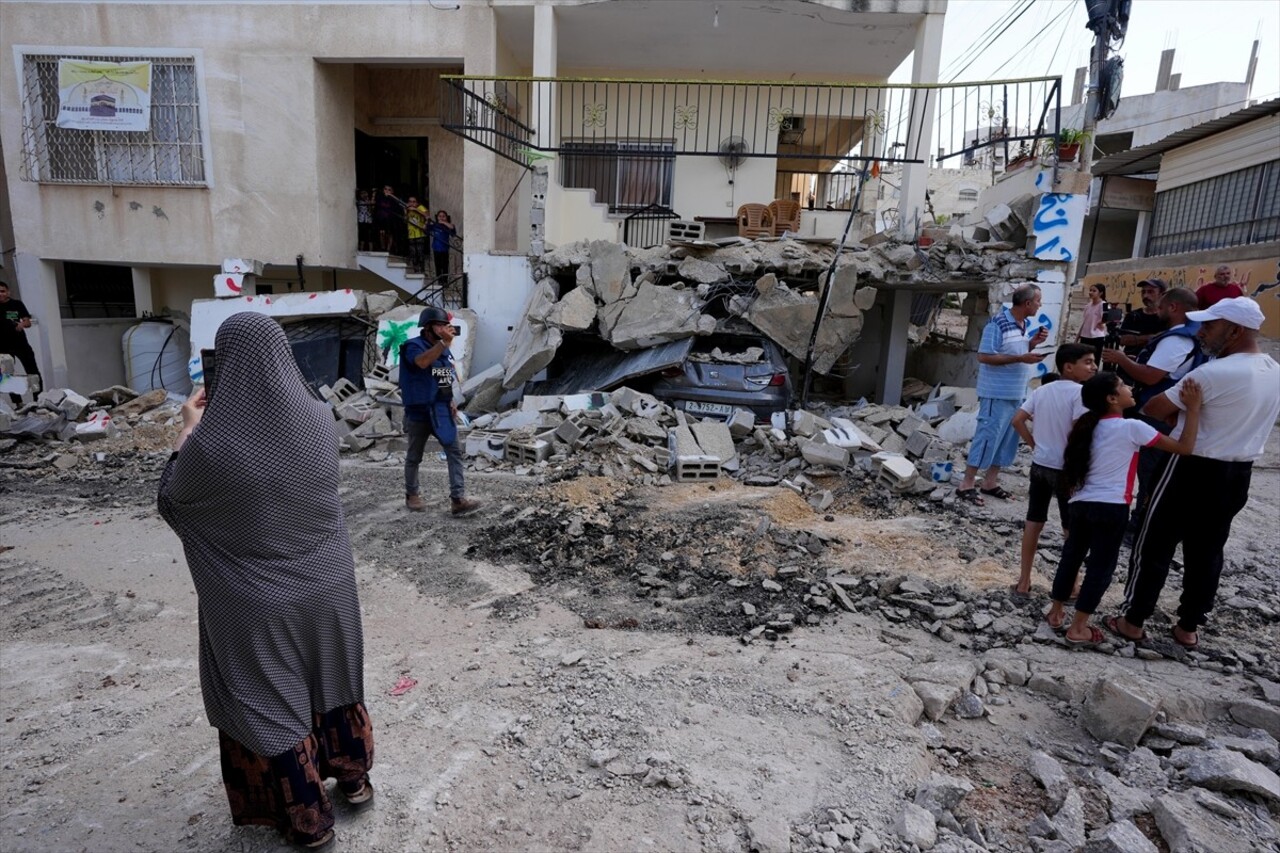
<point>804,126</point>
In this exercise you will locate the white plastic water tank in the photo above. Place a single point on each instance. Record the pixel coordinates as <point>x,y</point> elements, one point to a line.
<point>155,356</point>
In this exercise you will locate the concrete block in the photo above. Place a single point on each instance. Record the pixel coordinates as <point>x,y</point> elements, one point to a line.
<point>380,378</point>
<point>894,469</point>
<point>571,430</point>
<point>73,405</point>
<point>491,445</point>
<point>356,409</point>
<point>918,443</point>
<point>910,425</point>
<point>684,229</point>
<point>695,468</point>
<point>807,423</point>
<point>527,451</point>
<point>932,410</point>
<point>820,453</point>
<point>376,425</point>
<point>343,389</point>
<point>1120,709</point>
<point>894,443</point>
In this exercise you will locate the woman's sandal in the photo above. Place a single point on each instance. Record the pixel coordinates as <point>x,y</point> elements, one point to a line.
<point>971,495</point>
<point>997,492</point>
<point>322,841</point>
<point>362,796</point>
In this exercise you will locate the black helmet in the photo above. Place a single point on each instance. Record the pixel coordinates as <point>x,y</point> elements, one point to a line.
<point>432,314</point>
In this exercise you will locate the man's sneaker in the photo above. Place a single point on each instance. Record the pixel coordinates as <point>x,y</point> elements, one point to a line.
<point>414,503</point>
<point>465,506</point>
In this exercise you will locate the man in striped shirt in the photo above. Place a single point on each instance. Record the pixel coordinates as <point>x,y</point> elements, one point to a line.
<point>1005,356</point>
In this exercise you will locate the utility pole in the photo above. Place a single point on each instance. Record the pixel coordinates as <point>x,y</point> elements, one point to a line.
<point>1106,17</point>
<point>1097,59</point>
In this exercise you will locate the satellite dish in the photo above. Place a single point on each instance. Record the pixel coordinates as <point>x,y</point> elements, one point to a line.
<point>733,151</point>
<point>1109,80</point>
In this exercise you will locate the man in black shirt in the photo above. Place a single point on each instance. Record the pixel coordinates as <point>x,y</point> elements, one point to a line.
<point>1143,324</point>
<point>15,319</point>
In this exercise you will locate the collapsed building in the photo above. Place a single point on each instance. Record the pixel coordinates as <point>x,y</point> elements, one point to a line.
<point>601,320</point>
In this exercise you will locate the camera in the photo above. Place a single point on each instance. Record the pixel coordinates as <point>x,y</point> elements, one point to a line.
<point>1112,317</point>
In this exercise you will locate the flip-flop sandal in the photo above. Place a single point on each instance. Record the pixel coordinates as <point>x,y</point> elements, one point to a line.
<point>1112,625</point>
<point>971,496</point>
<point>1096,637</point>
<point>1019,594</point>
<point>997,492</point>
<point>1059,628</point>
<point>1191,647</point>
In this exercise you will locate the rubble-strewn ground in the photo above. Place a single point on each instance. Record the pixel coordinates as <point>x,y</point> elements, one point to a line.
<point>619,666</point>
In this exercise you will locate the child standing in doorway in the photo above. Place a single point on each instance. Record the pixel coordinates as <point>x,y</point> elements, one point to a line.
<point>1099,468</point>
<point>1051,409</point>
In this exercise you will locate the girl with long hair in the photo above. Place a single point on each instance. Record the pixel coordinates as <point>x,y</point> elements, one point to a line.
<point>1099,469</point>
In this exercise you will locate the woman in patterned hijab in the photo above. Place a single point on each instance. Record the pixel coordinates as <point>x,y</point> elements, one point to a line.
<point>252,491</point>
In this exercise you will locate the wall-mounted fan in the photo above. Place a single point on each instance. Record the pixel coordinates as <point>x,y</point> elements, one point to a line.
<point>733,151</point>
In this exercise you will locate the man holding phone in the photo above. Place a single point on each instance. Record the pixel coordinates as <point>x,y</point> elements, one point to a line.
<point>426,386</point>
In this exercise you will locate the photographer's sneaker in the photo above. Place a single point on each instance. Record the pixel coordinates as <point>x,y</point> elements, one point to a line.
<point>465,506</point>
<point>414,503</point>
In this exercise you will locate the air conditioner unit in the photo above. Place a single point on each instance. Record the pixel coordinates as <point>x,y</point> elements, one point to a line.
<point>791,130</point>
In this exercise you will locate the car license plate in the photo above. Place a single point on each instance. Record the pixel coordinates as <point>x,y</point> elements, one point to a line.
<point>719,409</point>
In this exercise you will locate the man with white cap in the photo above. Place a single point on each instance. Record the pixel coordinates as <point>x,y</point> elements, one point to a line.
<point>1196,497</point>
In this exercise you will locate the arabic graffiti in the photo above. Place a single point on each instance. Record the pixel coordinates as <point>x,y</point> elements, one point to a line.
<point>1057,226</point>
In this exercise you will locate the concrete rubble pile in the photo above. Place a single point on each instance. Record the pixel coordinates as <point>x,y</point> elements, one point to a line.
<point>636,298</point>
<point>635,438</point>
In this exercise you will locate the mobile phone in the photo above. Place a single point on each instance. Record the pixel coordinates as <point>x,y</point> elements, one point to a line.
<point>209,366</point>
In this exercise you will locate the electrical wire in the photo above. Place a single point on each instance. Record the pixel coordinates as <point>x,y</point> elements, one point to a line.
<point>997,37</point>
<point>983,41</point>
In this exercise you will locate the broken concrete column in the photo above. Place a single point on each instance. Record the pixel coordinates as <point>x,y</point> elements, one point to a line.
<point>533,343</point>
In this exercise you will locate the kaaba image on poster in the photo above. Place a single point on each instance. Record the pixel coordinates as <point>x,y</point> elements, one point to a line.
<point>102,105</point>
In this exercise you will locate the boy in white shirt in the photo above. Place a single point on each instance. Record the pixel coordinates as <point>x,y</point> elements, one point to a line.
<point>1052,409</point>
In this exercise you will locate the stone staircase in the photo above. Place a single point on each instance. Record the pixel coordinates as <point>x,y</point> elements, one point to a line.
<point>394,269</point>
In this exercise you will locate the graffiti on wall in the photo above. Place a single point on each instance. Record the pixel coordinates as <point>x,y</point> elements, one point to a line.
<point>1260,278</point>
<point>1057,226</point>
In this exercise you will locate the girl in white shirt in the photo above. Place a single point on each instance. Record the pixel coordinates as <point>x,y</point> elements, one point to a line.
<point>1099,469</point>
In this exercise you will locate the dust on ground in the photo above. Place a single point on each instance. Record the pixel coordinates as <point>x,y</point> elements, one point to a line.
<point>569,621</point>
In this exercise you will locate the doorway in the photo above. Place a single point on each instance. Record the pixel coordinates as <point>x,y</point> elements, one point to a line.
<point>398,161</point>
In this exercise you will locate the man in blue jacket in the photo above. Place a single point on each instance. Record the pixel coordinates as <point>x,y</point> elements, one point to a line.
<point>426,386</point>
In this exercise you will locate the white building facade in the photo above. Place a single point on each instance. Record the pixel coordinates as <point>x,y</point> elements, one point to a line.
<point>265,118</point>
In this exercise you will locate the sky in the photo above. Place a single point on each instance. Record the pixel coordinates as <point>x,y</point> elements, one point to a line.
<point>1212,37</point>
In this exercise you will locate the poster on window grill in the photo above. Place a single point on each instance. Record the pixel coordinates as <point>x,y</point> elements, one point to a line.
<point>104,95</point>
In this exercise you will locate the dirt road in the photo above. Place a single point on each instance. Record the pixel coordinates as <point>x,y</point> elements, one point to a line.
<point>562,701</point>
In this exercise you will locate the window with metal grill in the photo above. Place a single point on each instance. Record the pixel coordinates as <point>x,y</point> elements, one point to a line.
<point>171,152</point>
<point>1230,210</point>
<point>626,175</point>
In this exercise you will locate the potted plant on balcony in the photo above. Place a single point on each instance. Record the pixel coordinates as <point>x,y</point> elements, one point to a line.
<point>1068,143</point>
